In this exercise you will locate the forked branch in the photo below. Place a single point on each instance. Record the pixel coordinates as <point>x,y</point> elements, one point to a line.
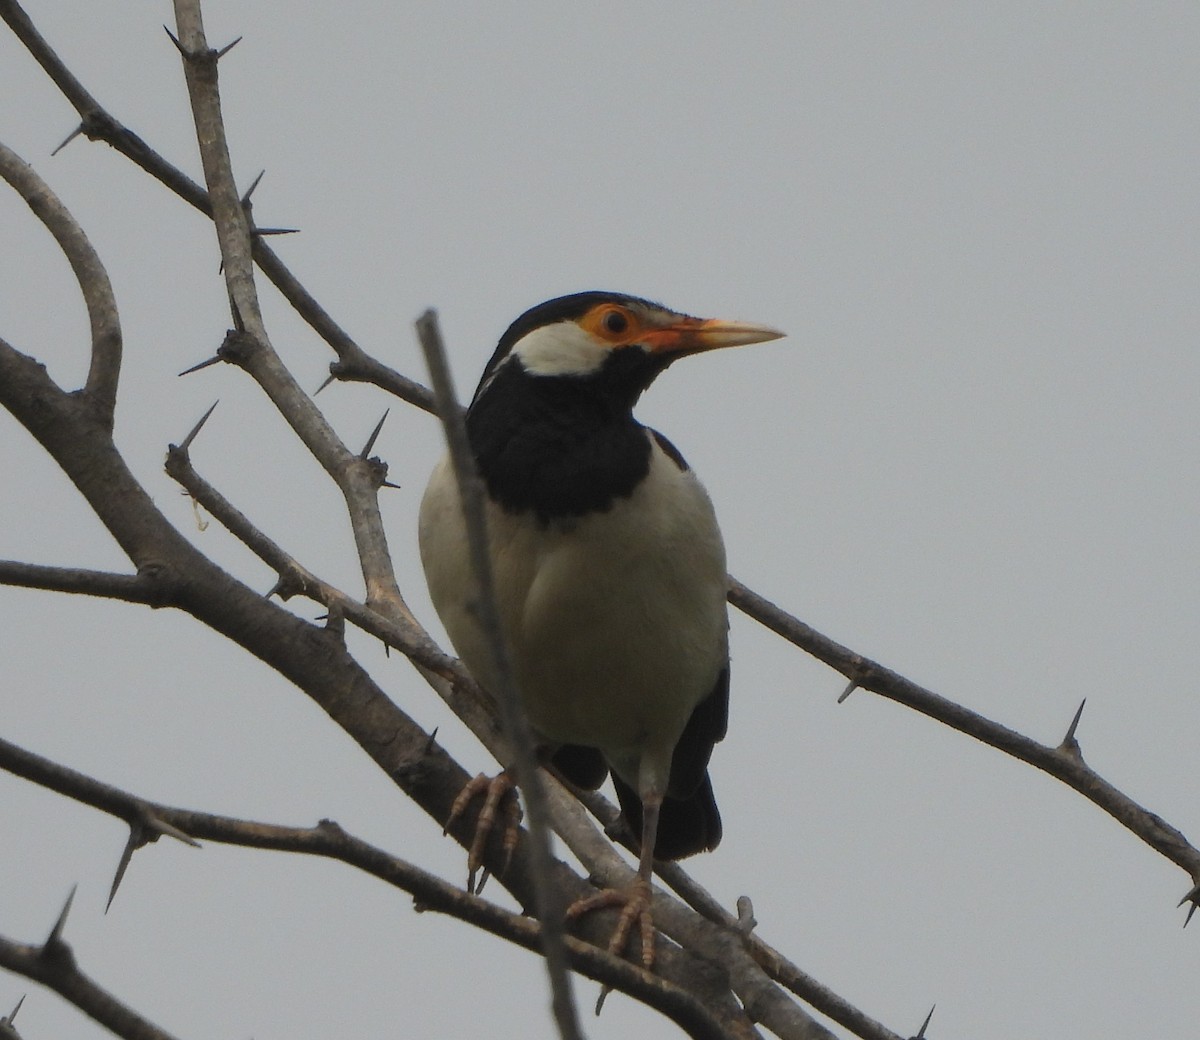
<point>100,390</point>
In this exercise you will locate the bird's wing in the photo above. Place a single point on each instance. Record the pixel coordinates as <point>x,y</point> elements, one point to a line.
<point>706,726</point>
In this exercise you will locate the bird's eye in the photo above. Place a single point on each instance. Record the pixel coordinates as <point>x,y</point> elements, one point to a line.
<point>614,322</point>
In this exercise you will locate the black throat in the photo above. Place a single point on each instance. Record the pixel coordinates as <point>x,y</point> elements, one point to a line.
<point>562,446</point>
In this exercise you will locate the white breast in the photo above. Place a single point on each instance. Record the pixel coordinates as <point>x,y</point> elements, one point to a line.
<point>616,620</point>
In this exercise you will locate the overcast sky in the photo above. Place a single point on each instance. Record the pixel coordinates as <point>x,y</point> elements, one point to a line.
<point>973,459</point>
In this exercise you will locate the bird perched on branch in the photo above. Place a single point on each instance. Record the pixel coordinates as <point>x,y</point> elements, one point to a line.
<point>608,565</point>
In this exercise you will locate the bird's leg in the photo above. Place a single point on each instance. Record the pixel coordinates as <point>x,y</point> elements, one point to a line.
<point>499,793</point>
<point>634,900</point>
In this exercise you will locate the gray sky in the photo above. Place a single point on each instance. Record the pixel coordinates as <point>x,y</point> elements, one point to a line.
<point>973,460</point>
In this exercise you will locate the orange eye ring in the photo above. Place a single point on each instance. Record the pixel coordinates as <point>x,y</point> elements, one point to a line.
<point>614,322</point>
<point>610,322</point>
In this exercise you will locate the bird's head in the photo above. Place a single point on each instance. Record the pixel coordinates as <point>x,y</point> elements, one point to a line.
<point>619,342</point>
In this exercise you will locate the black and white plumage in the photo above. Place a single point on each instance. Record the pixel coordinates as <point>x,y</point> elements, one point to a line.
<point>609,565</point>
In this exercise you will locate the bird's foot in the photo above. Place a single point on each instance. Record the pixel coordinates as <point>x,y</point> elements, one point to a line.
<point>635,908</point>
<point>499,797</point>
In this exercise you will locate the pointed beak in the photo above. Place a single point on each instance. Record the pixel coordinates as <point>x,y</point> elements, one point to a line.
<point>693,335</point>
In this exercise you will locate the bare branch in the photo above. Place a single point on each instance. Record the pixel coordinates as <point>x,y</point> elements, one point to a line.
<point>1061,763</point>
<point>470,489</point>
<point>752,966</point>
<point>53,965</point>
<point>461,693</point>
<point>356,366</point>
<point>353,364</point>
<point>131,588</point>
<point>288,647</point>
<point>105,369</point>
<point>329,840</point>
<point>358,479</point>
<point>233,229</point>
<point>36,44</point>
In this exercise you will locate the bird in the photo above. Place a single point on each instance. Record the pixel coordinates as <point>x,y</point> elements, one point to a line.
<point>609,569</point>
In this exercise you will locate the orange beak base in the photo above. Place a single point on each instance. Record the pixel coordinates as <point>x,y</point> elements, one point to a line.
<point>694,335</point>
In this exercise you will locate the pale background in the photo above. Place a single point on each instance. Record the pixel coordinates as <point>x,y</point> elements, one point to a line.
<point>973,459</point>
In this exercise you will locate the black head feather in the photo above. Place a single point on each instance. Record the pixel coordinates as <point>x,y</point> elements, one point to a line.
<point>561,308</point>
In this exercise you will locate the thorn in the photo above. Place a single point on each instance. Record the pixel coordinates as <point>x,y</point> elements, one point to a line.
<point>389,484</point>
<point>1193,896</point>
<point>745,911</point>
<point>430,743</point>
<point>275,589</point>
<point>137,838</point>
<point>261,173</point>
<point>925,1025</point>
<point>13,1013</point>
<point>331,378</point>
<point>70,137</point>
<point>1069,740</point>
<point>226,49</point>
<point>263,232</point>
<point>187,441</point>
<point>175,40</point>
<point>215,359</point>
<point>335,623</point>
<point>850,688</point>
<point>55,936</point>
<point>169,830</point>
<point>374,433</point>
<point>142,832</point>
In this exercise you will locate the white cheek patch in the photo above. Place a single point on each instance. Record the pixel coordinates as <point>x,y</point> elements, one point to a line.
<point>562,349</point>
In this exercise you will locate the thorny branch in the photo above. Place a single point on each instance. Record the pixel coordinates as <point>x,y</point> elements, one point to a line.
<point>1064,762</point>
<point>159,560</point>
<point>315,663</point>
<point>132,588</point>
<point>100,390</point>
<point>52,963</point>
<point>580,836</point>
<point>357,478</point>
<point>327,839</point>
<point>550,911</point>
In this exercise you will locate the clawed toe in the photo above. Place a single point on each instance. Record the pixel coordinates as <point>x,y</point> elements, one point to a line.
<point>499,797</point>
<point>634,902</point>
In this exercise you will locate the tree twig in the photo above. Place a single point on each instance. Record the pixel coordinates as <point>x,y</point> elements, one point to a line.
<point>105,369</point>
<point>444,673</point>
<point>329,840</point>
<point>1064,762</point>
<point>550,910</point>
<point>52,963</point>
<point>358,479</point>
<point>132,588</point>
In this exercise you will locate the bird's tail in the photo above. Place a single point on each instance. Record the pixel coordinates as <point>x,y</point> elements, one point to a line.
<point>685,825</point>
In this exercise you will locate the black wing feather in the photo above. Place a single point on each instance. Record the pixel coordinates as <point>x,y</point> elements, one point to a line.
<point>708,724</point>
